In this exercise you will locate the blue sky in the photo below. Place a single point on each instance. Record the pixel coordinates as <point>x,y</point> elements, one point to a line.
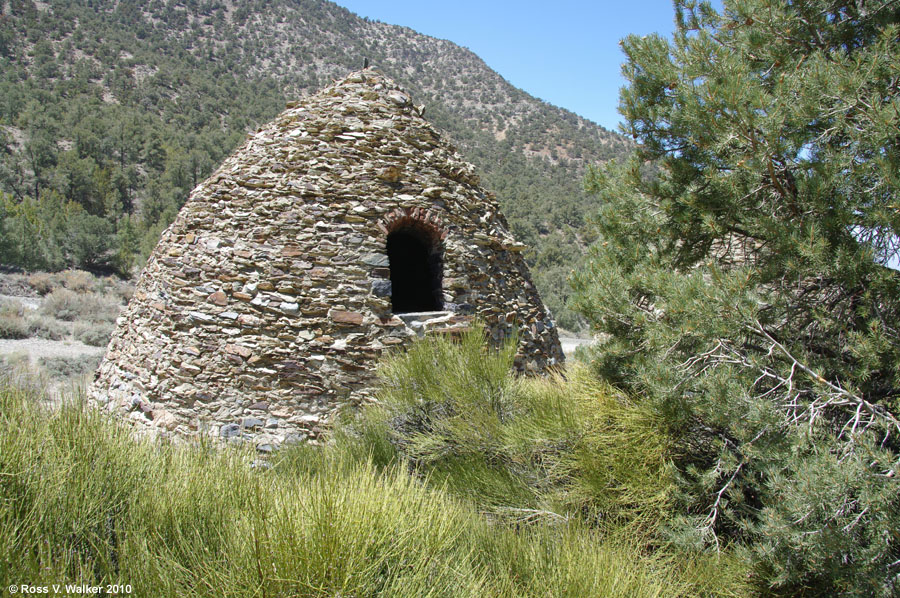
<point>564,52</point>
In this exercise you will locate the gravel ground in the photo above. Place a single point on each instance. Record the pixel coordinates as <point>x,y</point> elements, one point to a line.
<point>38,347</point>
<point>570,344</point>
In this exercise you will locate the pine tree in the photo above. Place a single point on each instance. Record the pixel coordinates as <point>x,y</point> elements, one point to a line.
<point>743,288</point>
<point>127,245</point>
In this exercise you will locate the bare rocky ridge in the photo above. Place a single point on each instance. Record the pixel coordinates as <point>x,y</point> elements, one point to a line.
<point>269,300</point>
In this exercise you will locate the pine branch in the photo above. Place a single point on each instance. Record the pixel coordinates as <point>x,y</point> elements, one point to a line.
<point>839,396</point>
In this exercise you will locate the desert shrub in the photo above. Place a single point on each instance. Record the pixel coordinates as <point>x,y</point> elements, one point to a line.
<point>67,305</point>
<point>95,334</point>
<point>46,328</point>
<point>115,287</point>
<point>123,289</point>
<point>42,282</point>
<point>12,322</point>
<point>78,280</point>
<point>69,367</point>
<point>13,328</point>
<point>15,360</point>
<point>11,309</point>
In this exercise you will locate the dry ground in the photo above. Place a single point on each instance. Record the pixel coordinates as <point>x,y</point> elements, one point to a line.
<point>57,324</point>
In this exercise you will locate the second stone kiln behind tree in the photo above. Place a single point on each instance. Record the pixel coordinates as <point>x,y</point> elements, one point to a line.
<point>344,227</point>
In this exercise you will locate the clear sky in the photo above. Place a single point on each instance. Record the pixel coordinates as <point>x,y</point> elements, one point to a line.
<point>565,52</point>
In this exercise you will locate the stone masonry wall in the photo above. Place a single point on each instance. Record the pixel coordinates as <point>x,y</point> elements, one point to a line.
<point>267,303</point>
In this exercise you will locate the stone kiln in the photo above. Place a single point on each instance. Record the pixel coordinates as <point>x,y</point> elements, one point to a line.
<point>343,228</point>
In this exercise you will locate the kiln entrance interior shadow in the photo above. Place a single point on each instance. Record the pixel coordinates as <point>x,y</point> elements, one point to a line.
<point>415,273</point>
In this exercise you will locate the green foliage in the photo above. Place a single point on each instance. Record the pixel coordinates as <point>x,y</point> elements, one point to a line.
<point>522,449</point>
<point>127,244</point>
<point>89,247</point>
<point>82,500</point>
<point>50,233</point>
<point>741,289</point>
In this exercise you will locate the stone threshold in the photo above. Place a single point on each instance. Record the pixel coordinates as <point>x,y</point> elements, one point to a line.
<point>422,322</point>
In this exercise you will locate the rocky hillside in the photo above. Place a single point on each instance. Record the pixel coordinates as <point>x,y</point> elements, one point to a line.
<point>111,111</point>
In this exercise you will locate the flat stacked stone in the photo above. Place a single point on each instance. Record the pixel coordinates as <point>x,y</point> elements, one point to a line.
<point>267,303</point>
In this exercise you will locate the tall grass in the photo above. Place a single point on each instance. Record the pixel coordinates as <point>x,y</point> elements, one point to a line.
<point>82,500</point>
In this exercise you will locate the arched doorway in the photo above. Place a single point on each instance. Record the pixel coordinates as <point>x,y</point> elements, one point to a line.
<point>416,270</point>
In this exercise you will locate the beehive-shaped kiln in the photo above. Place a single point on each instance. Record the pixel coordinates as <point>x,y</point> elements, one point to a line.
<point>343,228</point>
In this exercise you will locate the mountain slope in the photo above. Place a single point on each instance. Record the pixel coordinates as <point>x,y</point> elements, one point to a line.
<point>120,108</point>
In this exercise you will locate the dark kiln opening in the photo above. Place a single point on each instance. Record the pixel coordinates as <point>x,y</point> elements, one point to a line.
<point>416,270</point>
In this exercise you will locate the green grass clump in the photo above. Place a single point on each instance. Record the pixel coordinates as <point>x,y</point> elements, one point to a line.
<point>82,500</point>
